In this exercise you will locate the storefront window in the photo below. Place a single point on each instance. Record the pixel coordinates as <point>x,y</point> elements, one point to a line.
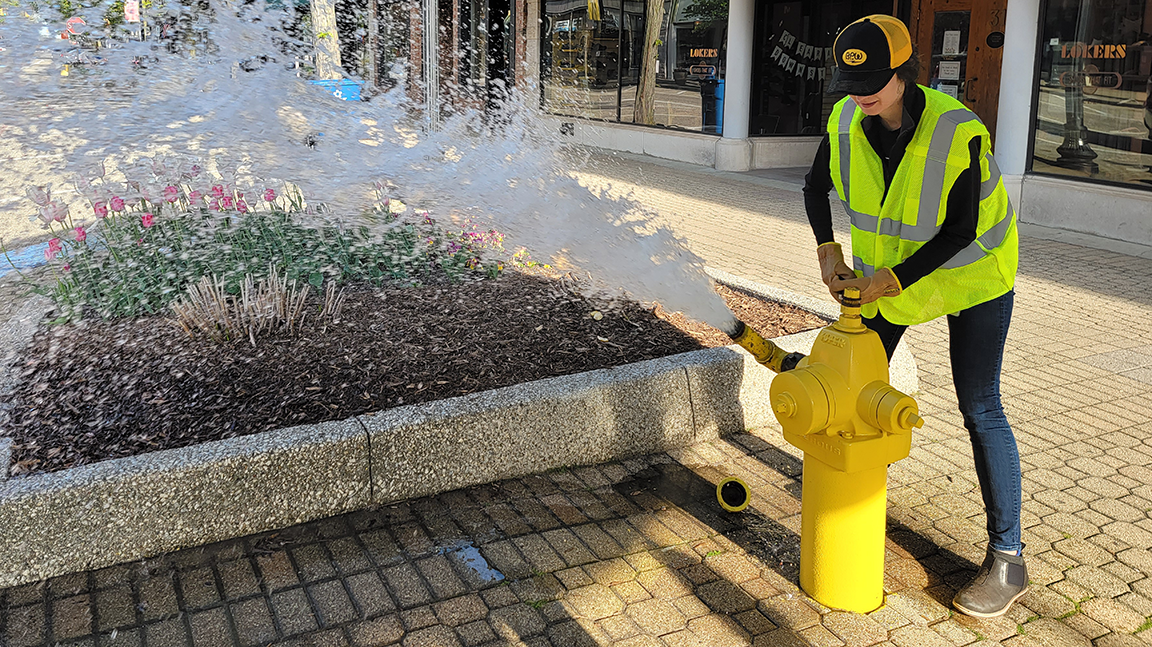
<point>1094,108</point>
<point>592,55</point>
<point>793,62</point>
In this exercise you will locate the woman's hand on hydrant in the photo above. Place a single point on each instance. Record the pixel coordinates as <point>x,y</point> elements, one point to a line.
<point>881,284</point>
<point>832,265</point>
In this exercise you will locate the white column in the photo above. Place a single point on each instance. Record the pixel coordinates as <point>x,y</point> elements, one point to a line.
<point>733,150</point>
<point>1014,120</point>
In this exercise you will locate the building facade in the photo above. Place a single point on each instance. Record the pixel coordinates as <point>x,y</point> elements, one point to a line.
<point>1064,86</point>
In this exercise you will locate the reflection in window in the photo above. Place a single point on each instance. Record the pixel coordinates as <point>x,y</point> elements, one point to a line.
<point>592,53</point>
<point>793,62</point>
<point>1094,111</point>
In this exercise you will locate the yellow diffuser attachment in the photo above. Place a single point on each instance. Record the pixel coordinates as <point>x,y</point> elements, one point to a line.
<point>733,494</point>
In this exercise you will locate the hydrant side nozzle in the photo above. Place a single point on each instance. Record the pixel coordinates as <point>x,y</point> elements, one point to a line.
<point>784,405</point>
<point>884,407</point>
<point>911,419</point>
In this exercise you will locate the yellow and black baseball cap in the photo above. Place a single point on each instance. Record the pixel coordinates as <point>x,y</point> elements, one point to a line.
<point>867,54</point>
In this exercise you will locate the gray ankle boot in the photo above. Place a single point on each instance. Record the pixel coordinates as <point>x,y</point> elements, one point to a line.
<point>1001,580</point>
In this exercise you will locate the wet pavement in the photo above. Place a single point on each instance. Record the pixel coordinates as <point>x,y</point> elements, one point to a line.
<point>632,553</point>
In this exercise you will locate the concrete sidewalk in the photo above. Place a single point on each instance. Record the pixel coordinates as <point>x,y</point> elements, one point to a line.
<point>638,553</point>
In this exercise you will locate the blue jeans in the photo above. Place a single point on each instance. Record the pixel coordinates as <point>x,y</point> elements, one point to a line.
<point>976,345</point>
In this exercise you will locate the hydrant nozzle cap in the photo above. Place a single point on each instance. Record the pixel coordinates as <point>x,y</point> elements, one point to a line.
<point>784,405</point>
<point>910,420</point>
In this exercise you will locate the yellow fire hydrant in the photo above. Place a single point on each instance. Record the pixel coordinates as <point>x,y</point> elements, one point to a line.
<point>838,407</point>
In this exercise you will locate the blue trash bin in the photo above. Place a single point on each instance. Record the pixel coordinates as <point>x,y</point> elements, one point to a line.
<point>719,105</point>
<point>712,105</point>
<point>345,89</point>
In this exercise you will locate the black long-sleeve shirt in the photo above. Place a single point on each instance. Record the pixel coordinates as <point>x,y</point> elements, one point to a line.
<point>961,214</point>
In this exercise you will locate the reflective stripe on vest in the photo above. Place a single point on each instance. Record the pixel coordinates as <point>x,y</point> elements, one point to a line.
<point>931,191</point>
<point>991,239</point>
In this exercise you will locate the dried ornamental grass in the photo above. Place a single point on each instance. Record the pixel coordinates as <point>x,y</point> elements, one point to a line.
<point>273,304</point>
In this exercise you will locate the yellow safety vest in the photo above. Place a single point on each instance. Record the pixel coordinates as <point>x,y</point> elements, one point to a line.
<point>885,234</point>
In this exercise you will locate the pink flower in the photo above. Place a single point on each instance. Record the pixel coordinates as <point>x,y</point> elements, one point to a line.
<point>226,202</point>
<point>171,193</point>
<point>195,197</point>
<point>217,191</point>
<point>269,195</point>
<point>53,212</point>
<point>84,187</point>
<point>81,235</point>
<point>54,248</point>
<point>242,206</point>
<point>67,267</point>
<point>146,220</point>
<point>40,195</point>
<point>101,209</point>
<point>147,193</point>
<point>214,205</point>
<point>195,170</point>
<point>116,203</point>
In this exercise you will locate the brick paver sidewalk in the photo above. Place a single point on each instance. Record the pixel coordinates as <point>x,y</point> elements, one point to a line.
<point>638,553</point>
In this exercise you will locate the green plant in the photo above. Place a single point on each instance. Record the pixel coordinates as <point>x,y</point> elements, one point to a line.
<point>713,553</point>
<point>1146,625</point>
<point>1075,607</point>
<point>155,238</point>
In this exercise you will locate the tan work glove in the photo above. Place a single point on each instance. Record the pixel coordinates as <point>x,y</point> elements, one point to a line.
<point>832,265</point>
<point>881,284</point>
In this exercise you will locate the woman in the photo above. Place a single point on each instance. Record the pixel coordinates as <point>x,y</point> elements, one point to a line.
<point>933,234</point>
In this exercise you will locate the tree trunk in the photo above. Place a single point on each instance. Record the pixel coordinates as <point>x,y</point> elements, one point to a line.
<point>327,40</point>
<point>645,112</point>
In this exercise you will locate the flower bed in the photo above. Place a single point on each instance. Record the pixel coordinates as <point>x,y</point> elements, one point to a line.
<point>159,235</point>
<point>185,316</point>
<point>88,393</point>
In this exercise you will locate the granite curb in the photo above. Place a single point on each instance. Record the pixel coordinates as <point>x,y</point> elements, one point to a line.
<point>126,509</point>
<point>5,457</point>
<point>129,508</point>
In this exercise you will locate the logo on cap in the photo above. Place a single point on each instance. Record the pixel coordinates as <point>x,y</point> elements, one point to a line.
<point>854,57</point>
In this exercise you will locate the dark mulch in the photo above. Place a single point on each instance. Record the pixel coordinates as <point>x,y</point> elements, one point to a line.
<point>103,390</point>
